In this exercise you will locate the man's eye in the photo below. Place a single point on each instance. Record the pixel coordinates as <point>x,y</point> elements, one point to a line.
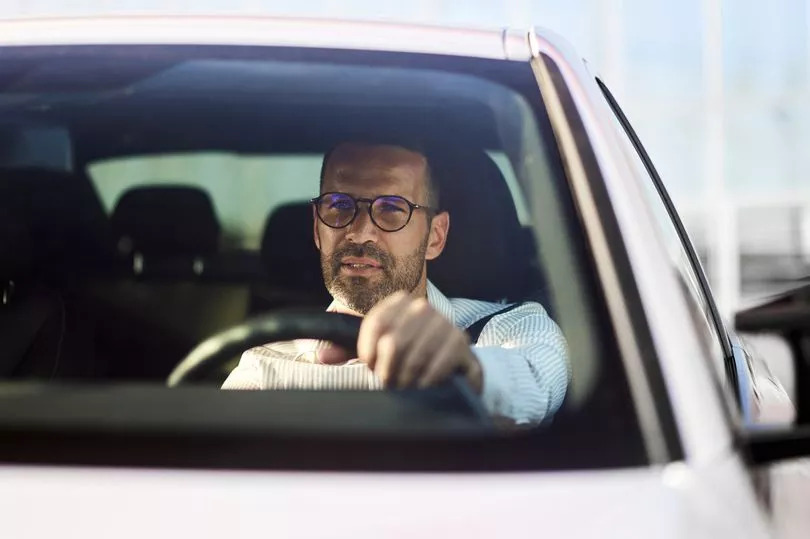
<point>391,208</point>
<point>341,205</point>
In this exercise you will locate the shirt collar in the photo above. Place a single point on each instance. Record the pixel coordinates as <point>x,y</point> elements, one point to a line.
<point>436,299</point>
<point>440,302</point>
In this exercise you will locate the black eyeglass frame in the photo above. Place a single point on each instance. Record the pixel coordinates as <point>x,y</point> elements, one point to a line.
<point>370,202</point>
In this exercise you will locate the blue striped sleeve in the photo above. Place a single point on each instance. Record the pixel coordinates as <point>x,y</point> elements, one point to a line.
<point>524,358</point>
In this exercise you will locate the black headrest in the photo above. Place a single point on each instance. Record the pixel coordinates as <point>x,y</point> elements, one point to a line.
<point>487,256</point>
<point>166,220</point>
<point>63,216</point>
<point>288,250</point>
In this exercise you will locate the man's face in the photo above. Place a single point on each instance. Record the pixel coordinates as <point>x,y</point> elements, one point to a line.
<point>361,263</point>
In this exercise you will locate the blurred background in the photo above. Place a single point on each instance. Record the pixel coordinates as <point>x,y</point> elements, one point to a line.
<point>717,90</point>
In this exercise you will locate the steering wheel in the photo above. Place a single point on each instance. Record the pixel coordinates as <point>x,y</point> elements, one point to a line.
<point>282,325</point>
<point>286,325</point>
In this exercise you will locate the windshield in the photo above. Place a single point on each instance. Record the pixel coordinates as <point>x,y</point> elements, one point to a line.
<point>157,197</point>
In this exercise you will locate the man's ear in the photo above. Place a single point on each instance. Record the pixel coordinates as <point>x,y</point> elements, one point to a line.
<point>439,228</point>
<point>315,234</point>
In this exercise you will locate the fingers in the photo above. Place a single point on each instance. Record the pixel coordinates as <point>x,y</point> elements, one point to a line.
<point>332,355</point>
<point>405,332</point>
<point>454,354</point>
<point>407,343</point>
<point>421,352</point>
<point>375,324</point>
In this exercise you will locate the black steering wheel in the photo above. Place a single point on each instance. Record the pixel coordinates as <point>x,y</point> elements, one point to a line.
<point>285,325</point>
<point>282,325</point>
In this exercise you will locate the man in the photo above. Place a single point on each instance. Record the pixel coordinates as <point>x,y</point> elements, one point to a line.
<point>376,224</point>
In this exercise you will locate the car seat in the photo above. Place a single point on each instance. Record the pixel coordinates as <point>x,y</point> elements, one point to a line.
<point>54,236</point>
<point>489,255</point>
<point>165,231</point>
<point>291,261</point>
<point>44,334</point>
<point>164,299</point>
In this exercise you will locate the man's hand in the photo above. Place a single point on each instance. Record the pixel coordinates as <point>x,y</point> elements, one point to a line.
<point>407,343</point>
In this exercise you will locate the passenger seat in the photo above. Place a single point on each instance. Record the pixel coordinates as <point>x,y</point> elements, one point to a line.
<point>44,334</point>
<point>53,238</point>
<point>164,300</point>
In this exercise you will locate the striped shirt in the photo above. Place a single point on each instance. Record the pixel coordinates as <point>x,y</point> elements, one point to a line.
<point>523,356</point>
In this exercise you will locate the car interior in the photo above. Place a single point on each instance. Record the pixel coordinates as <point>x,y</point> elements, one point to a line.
<point>127,291</point>
<point>153,197</point>
<point>161,282</point>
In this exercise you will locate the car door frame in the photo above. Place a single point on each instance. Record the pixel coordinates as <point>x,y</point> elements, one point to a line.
<point>770,482</point>
<point>731,357</point>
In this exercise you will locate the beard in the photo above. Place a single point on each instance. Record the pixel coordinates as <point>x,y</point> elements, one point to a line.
<point>360,294</point>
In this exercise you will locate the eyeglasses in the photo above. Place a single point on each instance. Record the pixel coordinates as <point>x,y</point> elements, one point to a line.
<point>389,212</point>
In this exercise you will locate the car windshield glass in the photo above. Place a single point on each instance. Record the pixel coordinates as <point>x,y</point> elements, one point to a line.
<point>156,197</point>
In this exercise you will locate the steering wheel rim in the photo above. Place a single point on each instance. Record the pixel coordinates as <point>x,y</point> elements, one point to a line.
<point>285,325</point>
<point>280,325</point>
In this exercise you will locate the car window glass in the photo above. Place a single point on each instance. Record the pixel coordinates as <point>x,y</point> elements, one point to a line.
<point>180,220</point>
<point>255,185</point>
<point>674,243</point>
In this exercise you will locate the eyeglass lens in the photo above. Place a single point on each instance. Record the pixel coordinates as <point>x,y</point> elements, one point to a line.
<point>390,213</point>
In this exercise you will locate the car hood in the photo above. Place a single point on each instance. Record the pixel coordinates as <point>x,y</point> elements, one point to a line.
<point>674,501</point>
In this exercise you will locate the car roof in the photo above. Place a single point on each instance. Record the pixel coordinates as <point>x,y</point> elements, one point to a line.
<point>503,43</point>
<point>88,86</point>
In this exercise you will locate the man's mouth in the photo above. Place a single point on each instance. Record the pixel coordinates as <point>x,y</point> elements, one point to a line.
<point>360,263</point>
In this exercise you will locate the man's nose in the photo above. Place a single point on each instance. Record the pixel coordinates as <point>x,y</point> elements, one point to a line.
<point>362,229</point>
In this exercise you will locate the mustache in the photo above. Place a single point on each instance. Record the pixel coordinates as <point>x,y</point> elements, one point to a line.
<point>365,250</point>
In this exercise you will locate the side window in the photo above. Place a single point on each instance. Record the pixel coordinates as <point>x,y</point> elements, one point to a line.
<point>680,249</point>
<point>502,161</point>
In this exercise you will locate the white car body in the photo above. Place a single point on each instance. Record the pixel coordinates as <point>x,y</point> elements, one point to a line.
<point>674,501</point>
<point>709,493</point>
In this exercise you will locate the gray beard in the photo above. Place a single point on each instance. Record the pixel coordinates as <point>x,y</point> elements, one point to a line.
<point>360,294</point>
